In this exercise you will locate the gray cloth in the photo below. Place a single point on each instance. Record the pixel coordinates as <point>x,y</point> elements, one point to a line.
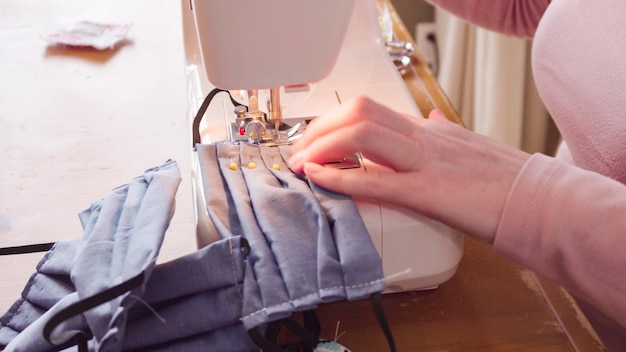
<point>122,237</point>
<point>308,245</point>
<point>284,246</point>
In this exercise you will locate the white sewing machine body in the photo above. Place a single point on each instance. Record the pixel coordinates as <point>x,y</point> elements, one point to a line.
<point>417,252</point>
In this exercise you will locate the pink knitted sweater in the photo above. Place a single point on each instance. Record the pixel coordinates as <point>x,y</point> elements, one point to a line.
<point>565,217</point>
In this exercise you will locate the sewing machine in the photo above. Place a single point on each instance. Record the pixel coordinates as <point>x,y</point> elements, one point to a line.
<point>303,58</point>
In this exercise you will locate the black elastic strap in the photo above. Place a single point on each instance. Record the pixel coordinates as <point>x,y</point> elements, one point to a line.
<point>25,249</point>
<point>308,334</point>
<point>377,305</point>
<point>86,304</point>
<point>261,341</point>
<point>307,337</point>
<point>272,330</point>
<point>195,128</point>
<point>312,323</point>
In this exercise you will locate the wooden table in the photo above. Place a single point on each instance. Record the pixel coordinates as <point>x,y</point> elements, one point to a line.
<point>75,123</point>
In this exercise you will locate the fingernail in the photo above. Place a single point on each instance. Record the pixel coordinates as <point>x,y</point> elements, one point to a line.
<point>436,114</point>
<point>311,168</point>
<point>296,161</point>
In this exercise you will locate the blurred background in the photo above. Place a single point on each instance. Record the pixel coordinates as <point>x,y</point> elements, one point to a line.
<point>486,75</point>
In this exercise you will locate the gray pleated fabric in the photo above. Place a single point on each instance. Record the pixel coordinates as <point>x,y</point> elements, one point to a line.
<point>122,237</point>
<point>284,246</point>
<point>307,245</point>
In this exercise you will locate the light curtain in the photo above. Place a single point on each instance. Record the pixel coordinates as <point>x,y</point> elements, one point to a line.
<point>488,78</point>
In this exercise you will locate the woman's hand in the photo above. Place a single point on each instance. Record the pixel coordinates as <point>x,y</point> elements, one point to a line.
<point>431,166</point>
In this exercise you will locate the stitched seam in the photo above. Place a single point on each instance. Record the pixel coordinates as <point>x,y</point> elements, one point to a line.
<point>291,301</point>
<point>354,286</point>
<point>17,312</point>
<point>29,285</point>
<point>233,267</point>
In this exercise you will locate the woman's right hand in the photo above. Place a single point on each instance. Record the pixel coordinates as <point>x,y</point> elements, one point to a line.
<point>431,166</point>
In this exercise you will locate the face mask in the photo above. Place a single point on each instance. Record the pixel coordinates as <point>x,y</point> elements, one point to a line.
<point>284,246</point>
<point>122,236</point>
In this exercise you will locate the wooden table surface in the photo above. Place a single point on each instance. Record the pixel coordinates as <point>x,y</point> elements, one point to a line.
<point>75,123</point>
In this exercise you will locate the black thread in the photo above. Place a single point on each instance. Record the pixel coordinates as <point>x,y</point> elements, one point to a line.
<point>195,128</point>
<point>86,304</point>
<point>28,248</point>
<point>377,305</point>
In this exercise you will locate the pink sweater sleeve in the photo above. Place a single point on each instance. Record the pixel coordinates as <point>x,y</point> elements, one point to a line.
<point>512,17</point>
<point>568,224</point>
